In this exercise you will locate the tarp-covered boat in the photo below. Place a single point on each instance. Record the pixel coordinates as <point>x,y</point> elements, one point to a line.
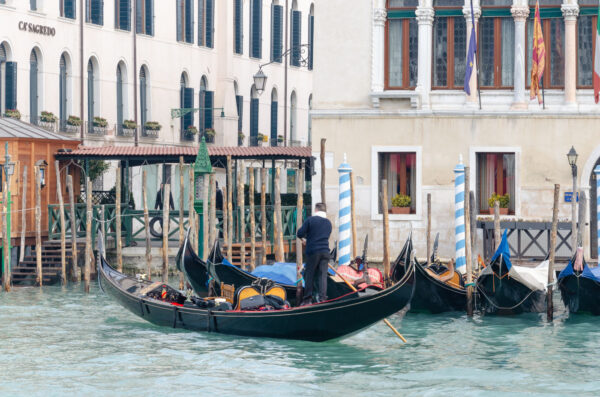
<point>433,293</point>
<point>199,273</point>
<point>332,319</point>
<point>509,289</point>
<point>580,287</point>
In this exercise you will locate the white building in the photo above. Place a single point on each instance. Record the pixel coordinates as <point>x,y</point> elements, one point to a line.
<point>388,92</point>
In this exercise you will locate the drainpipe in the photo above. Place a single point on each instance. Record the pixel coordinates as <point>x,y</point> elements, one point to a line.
<point>81,68</point>
<point>285,78</point>
<point>135,93</point>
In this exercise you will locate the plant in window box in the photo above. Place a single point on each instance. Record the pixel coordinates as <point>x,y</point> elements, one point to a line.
<point>401,204</point>
<point>47,120</point>
<point>241,138</point>
<point>191,131</point>
<point>129,127</point>
<point>504,202</point>
<point>261,139</point>
<point>279,139</point>
<point>152,128</point>
<point>99,125</point>
<point>210,133</point>
<point>73,124</point>
<point>13,114</point>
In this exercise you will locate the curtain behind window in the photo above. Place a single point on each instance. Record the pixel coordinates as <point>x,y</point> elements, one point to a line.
<point>508,51</point>
<point>395,52</point>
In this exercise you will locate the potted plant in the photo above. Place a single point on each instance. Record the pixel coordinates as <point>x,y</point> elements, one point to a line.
<point>209,134</point>
<point>99,125</point>
<point>191,131</point>
<point>73,124</point>
<point>151,128</point>
<point>128,127</point>
<point>279,139</point>
<point>13,114</point>
<point>504,202</point>
<point>261,139</point>
<point>47,120</point>
<point>401,204</point>
<point>241,138</point>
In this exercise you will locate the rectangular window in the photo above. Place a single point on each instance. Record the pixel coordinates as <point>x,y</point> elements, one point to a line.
<point>185,20</point>
<point>400,171</point>
<point>295,37</point>
<point>10,86</point>
<point>94,12</point>
<point>586,29</point>
<point>496,51</point>
<point>67,8</point>
<point>554,41</point>
<point>144,18</point>
<point>123,14</point>
<point>311,38</point>
<point>238,18</point>
<point>188,119</point>
<point>495,175</point>
<point>402,53</point>
<point>256,29</point>
<point>205,23</point>
<point>33,5</point>
<point>276,32</point>
<point>450,51</point>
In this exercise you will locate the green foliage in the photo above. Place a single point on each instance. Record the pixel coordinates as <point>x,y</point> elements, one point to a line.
<point>401,200</point>
<point>96,168</point>
<point>153,126</point>
<point>210,132</point>
<point>279,138</point>
<point>129,124</point>
<point>191,129</point>
<point>48,117</point>
<point>503,200</point>
<point>74,120</point>
<point>13,114</point>
<point>262,138</point>
<point>100,122</point>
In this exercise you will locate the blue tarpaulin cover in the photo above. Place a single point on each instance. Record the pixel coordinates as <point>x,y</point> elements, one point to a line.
<point>592,274</point>
<point>503,250</point>
<point>282,273</point>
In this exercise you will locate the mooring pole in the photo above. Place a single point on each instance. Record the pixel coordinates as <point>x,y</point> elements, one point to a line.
<point>549,303</point>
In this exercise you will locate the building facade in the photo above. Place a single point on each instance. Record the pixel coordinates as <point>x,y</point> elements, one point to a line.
<point>389,94</point>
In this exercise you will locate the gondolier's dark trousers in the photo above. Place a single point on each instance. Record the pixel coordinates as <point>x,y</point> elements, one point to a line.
<point>316,267</point>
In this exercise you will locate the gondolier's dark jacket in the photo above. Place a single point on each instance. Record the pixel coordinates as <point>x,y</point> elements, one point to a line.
<point>316,230</point>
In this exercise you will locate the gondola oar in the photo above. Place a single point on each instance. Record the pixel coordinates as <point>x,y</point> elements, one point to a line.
<point>354,289</point>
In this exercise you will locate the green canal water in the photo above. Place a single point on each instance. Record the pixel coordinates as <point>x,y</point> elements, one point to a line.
<point>56,342</point>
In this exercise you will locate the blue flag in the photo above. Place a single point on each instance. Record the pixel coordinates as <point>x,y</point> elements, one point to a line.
<point>471,53</point>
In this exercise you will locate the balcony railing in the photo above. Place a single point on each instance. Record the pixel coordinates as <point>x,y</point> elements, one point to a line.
<point>96,130</point>
<point>121,130</point>
<point>148,133</point>
<point>66,128</point>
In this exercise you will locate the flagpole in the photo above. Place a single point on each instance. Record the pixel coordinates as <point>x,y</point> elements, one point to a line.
<point>478,85</point>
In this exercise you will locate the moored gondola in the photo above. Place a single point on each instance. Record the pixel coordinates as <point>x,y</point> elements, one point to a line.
<point>580,287</point>
<point>509,289</point>
<point>217,268</point>
<point>436,291</point>
<point>332,319</point>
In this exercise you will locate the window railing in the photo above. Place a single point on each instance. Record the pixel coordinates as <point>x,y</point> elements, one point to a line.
<point>124,131</point>
<point>92,129</point>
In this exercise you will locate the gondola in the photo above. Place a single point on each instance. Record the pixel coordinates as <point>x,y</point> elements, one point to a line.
<point>333,319</point>
<point>580,289</point>
<point>505,288</point>
<point>432,295</point>
<point>199,273</point>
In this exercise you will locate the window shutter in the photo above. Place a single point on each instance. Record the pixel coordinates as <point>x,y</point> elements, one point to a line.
<point>239,101</point>
<point>253,120</point>
<point>277,40</point>
<point>69,11</point>
<point>210,19</point>
<point>209,99</point>
<point>189,21</point>
<point>296,32</point>
<point>238,27</point>
<point>179,5</point>
<point>150,17</point>
<point>274,123</point>
<point>201,18</point>
<point>138,16</point>
<point>33,89</point>
<point>188,103</point>
<point>63,90</point>
<point>11,85</point>
<point>33,5</point>
<point>311,35</point>
<point>256,26</point>
<point>100,12</point>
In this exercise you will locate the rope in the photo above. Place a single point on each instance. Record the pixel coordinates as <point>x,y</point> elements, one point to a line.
<point>299,280</point>
<point>504,308</point>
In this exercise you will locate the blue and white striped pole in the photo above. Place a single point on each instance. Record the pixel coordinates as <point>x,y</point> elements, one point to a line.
<point>344,214</point>
<point>459,216</point>
<point>597,172</point>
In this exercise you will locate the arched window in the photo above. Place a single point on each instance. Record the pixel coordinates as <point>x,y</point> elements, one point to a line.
<point>144,98</point>
<point>293,119</point>
<point>64,90</point>
<point>311,35</point>
<point>34,97</point>
<point>239,104</point>
<point>274,104</point>
<point>8,79</point>
<point>310,105</point>
<point>207,99</point>
<point>92,94</point>
<point>254,107</point>
<point>256,29</point>
<point>187,102</point>
<point>296,34</point>
<point>276,31</point>
<point>121,101</point>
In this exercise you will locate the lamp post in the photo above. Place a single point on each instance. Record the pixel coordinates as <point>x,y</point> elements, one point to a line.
<point>202,167</point>
<point>572,157</point>
<point>9,170</point>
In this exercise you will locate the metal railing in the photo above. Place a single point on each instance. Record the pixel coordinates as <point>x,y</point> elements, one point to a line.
<point>148,133</point>
<point>92,129</point>
<point>66,128</point>
<point>126,132</point>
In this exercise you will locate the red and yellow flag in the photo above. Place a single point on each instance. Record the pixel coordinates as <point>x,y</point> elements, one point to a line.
<point>538,56</point>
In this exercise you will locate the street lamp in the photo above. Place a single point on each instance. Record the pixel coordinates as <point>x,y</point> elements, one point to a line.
<point>260,81</point>
<point>42,165</point>
<point>9,170</point>
<point>575,234</point>
<point>202,167</point>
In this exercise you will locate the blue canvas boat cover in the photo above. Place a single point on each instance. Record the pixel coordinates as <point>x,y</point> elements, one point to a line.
<point>588,272</point>
<point>504,250</point>
<point>280,272</point>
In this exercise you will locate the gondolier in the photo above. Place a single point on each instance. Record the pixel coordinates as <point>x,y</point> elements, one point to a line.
<point>316,231</point>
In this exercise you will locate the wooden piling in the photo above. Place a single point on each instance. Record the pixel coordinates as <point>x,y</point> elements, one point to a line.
<point>473,209</point>
<point>323,195</point>
<point>103,229</point>
<point>230,208</point>
<point>263,213</point>
<point>88,235</point>
<point>24,214</point>
<point>352,215</point>
<point>212,215</point>
<point>165,232</point>
<point>497,233</point>
<point>386,231</point>
<point>242,214</point>
<point>581,219</point>
<point>299,208</point>
<point>147,225</point>
<point>252,220</point>
<point>5,240</point>
<point>192,211</point>
<point>118,237</point>
<point>75,270</point>
<point>181,214</point>
<point>553,231</point>
<point>468,244</point>
<point>61,208</point>
<point>38,227</point>
<point>428,229</point>
<point>205,217</point>
<point>225,215</point>
<point>277,222</point>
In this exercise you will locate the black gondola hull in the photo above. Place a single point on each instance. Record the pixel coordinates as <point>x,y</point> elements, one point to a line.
<point>434,296</point>
<point>580,295</point>
<point>507,296</point>
<point>325,321</point>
